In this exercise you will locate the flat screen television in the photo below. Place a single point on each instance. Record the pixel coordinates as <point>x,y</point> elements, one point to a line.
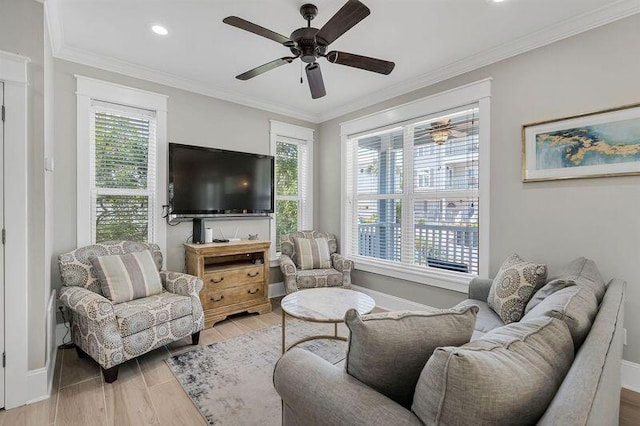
<point>210,181</point>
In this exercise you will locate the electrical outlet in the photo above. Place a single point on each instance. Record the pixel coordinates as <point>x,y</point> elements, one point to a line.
<point>624,336</point>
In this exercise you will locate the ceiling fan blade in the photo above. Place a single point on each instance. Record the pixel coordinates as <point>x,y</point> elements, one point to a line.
<point>349,15</point>
<point>316,84</point>
<point>362,62</point>
<point>265,67</point>
<point>234,21</point>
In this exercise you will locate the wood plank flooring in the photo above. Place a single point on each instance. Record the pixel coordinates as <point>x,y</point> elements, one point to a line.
<point>147,393</point>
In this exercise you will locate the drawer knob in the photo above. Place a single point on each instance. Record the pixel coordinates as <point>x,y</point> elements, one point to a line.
<point>253,291</point>
<point>218,299</point>
<point>215,281</point>
<point>252,275</point>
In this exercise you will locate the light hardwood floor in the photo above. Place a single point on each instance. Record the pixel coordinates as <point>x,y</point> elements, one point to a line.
<point>147,393</point>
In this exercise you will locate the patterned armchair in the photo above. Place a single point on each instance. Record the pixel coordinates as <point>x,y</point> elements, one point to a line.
<point>114,333</point>
<point>339,275</point>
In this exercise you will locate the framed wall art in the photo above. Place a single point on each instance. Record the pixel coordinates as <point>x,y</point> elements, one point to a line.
<point>603,143</point>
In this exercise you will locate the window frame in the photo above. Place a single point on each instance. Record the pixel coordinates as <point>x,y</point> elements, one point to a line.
<point>87,90</point>
<point>478,93</point>
<point>291,133</point>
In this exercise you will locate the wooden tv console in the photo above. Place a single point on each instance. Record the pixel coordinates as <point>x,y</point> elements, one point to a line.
<point>235,275</point>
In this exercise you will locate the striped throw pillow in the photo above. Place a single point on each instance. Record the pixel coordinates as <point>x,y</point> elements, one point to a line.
<point>125,277</point>
<point>312,253</point>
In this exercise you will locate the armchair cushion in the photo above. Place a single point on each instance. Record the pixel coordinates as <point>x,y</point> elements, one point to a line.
<point>387,351</point>
<point>312,253</point>
<point>126,277</point>
<point>142,314</point>
<point>313,278</point>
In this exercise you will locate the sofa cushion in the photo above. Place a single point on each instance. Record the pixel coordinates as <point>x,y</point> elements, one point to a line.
<point>487,319</point>
<point>312,253</point>
<point>387,351</point>
<point>141,314</point>
<point>509,376</point>
<point>129,276</point>
<point>516,281</point>
<point>584,273</point>
<point>547,290</point>
<point>575,305</point>
<point>312,278</point>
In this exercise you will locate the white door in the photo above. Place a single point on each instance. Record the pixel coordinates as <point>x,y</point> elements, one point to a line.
<point>2,246</point>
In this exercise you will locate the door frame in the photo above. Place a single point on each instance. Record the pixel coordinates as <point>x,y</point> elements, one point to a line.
<point>14,74</point>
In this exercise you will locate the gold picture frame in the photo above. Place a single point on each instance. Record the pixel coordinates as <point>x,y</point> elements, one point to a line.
<point>597,144</point>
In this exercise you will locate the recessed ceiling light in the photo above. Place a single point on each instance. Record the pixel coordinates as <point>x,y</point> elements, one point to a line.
<point>160,30</point>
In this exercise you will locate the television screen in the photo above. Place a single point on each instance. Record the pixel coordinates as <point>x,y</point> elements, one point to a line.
<point>216,181</point>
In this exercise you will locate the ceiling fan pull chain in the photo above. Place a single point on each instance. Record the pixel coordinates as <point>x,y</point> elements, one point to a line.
<point>301,82</point>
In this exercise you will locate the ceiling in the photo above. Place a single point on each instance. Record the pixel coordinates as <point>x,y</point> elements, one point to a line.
<point>429,40</point>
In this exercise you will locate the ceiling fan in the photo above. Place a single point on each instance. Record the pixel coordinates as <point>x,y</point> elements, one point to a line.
<point>308,44</point>
<point>441,131</point>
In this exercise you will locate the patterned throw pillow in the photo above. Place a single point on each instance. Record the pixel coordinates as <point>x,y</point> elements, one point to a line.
<point>516,281</point>
<point>125,277</point>
<point>312,253</point>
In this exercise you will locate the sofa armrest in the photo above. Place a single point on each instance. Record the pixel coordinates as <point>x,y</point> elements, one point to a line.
<point>289,271</point>
<point>318,393</point>
<point>182,284</point>
<point>479,289</point>
<point>86,303</point>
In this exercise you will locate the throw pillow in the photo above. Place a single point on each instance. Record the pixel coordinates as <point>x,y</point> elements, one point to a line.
<point>312,253</point>
<point>508,376</point>
<point>574,305</point>
<point>125,277</point>
<point>547,290</point>
<point>584,273</point>
<point>387,351</point>
<point>513,286</point>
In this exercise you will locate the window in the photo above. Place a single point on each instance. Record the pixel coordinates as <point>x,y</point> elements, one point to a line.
<point>292,147</point>
<point>414,203</point>
<point>121,163</point>
<point>123,172</point>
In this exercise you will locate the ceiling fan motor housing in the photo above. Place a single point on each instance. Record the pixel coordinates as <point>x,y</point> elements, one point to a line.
<point>306,45</point>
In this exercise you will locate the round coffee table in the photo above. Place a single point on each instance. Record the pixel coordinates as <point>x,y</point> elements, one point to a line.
<point>325,305</point>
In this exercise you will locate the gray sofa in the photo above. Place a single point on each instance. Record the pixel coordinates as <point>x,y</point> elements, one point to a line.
<point>315,392</point>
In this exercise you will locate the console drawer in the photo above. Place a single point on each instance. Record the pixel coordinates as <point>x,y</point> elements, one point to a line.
<point>230,296</point>
<point>232,276</point>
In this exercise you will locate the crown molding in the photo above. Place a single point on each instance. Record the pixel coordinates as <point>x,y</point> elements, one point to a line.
<point>550,34</point>
<point>545,36</point>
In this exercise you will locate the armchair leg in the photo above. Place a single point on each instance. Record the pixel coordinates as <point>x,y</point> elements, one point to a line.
<point>80,352</point>
<point>110,374</point>
<point>195,338</point>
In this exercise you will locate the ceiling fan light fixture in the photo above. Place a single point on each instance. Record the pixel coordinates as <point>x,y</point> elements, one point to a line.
<point>440,136</point>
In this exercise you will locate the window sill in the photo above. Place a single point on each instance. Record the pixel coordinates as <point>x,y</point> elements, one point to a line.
<point>455,281</point>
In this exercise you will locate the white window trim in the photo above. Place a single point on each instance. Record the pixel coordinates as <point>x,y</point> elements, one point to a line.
<point>478,92</point>
<point>88,89</point>
<point>304,135</point>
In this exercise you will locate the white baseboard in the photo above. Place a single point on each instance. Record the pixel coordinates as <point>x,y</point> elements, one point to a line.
<point>276,290</point>
<point>391,303</point>
<point>631,375</point>
<point>39,381</point>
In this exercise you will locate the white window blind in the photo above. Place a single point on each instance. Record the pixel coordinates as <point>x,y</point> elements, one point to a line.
<point>293,168</point>
<point>122,172</point>
<point>413,192</point>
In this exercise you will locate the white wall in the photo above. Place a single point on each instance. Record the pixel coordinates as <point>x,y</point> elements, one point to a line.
<point>191,119</point>
<point>551,222</point>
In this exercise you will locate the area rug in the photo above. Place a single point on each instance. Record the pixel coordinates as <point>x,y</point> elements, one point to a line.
<point>230,382</point>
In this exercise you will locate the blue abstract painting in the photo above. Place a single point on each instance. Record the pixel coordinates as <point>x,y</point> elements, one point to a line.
<point>593,145</point>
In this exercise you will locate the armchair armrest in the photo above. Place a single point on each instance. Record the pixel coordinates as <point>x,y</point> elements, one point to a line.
<point>182,284</point>
<point>341,263</point>
<point>479,289</point>
<point>289,270</point>
<point>87,303</point>
<point>315,392</point>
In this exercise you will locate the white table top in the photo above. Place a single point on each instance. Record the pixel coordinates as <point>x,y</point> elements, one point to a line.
<point>326,304</point>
